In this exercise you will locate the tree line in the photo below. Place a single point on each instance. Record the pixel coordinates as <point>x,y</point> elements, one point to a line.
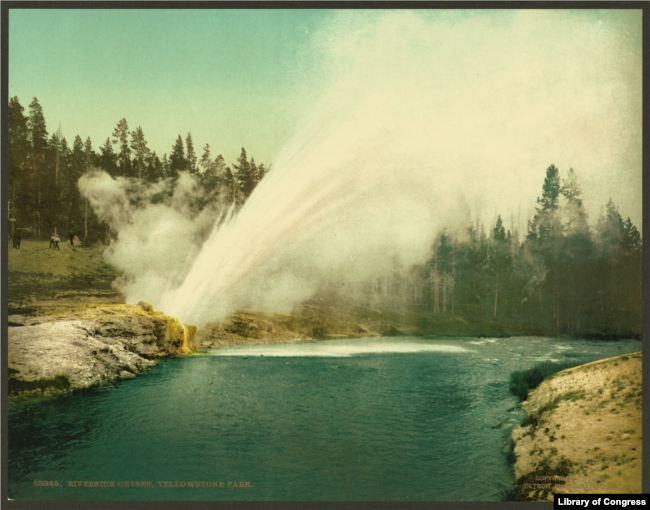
<point>563,275</point>
<point>44,170</point>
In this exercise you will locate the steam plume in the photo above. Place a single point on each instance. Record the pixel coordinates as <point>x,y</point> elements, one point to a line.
<point>418,115</point>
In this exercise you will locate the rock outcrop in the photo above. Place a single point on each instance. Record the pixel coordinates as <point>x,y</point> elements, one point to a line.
<point>583,432</point>
<point>67,348</point>
<point>256,327</point>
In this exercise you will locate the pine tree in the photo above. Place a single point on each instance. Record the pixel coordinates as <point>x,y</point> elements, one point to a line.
<point>618,274</point>
<point>166,170</point>
<point>165,166</point>
<point>261,172</point>
<point>211,170</point>
<point>206,160</point>
<point>88,149</point>
<point>141,152</point>
<point>18,150</point>
<point>108,158</point>
<point>76,169</point>
<point>37,137</point>
<point>575,259</point>
<point>631,238</point>
<point>253,172</point>
<point>445,259</point>
<point>243,176</point>
<point>121,138</point>
<point>154,167</point>
<point>629,278</point>
<point>191,155</point>
<point>611,230</point>
<point>547,218</point>
<point>500,258</point>
<point>56,148</point>
<point>51,184</point>
<point>230,184</point>
<point>17,136</point>
<point>88,152</point>
<point>549,239</point>
<point>177,162</point>
<point>37,129</point>
<point>58,215</point>
<point>574,213</point>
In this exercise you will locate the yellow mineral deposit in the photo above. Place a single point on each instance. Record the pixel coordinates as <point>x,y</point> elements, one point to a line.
<point>182,335</point>
<point>123,316</point>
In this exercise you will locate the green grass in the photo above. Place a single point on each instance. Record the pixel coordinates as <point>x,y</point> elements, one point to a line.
<point>629,395</point>
<point>535,418</point>
<point>16,386</point>
<point>37,272</point>
<point>571,395</point>
<point>522,382</point>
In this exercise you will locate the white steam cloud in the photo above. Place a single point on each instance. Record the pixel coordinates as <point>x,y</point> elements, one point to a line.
<point>157,242</point>
<point>419,116</point>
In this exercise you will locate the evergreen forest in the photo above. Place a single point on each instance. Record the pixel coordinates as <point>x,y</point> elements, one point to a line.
<point>563,274</point>
<point>44,171</point>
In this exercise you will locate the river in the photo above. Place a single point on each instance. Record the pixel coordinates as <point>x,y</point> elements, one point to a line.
<point>381,419</point>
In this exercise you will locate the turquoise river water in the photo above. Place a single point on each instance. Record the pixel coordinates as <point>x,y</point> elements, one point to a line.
<point>380,419</point>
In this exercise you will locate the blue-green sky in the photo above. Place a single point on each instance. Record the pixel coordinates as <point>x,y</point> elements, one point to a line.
<point>223,75</point>
<point>490,98</point>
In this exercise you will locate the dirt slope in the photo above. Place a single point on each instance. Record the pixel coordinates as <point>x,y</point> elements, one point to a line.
<point>583,432</point>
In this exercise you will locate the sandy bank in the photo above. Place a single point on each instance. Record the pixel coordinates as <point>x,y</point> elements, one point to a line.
<point>583,432</point>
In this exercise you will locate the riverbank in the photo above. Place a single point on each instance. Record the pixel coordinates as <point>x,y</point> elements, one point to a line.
<point>583,432</point>
<point>311,322</point>
<point>64,336</point>
<point>68,348</point>
<point>42,277</point>
<point>55,334</point>
<point>59,345</point>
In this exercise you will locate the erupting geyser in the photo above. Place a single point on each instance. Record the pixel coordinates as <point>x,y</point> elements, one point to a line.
<point>418,118</point>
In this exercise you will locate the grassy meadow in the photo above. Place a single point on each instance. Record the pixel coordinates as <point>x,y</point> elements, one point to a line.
<point>75,274</point>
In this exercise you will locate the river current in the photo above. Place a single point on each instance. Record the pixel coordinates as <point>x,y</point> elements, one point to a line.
<point>375,419</point>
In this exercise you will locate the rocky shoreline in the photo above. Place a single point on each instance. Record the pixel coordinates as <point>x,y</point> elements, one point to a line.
<point>68,348</point>
<point>65,346</point>
<point>583,433</point>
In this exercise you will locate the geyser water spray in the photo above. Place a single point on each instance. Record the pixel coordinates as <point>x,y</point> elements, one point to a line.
<point>411,123</point>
